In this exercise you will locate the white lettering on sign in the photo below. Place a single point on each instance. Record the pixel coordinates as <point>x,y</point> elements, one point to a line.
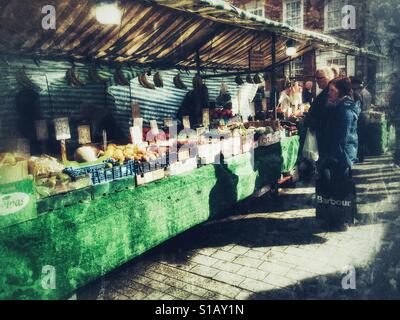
<point>343,203</point>
<point>13,202</point>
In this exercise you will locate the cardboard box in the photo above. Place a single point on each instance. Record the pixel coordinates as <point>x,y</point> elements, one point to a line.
<point>18,172</point>
<point>150,177</point>
<point>182,167</point>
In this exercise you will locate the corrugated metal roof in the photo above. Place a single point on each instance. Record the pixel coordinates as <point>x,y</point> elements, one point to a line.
<point>156,33</point>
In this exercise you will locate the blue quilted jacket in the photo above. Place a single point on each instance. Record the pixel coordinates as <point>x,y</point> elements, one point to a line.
<point>340,134</point>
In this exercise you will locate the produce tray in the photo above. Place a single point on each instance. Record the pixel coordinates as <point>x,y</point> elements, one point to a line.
<point>151,165</point>
<point>101,173</point>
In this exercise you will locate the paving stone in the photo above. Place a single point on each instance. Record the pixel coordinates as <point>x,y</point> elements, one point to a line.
<point>205,271</point>
<point>229,278</point>
<point>256,286</point>
<point>276,268</point>
<point>248,262</point>
<point>227,266</point>
<point>239,250</point>
<point>204,260</point>
<point>224,255</point>
<point>252,273</point>
<point>278,280</point>
<point>244,295</point>
<point>177,293</point>
<point>254,254</point>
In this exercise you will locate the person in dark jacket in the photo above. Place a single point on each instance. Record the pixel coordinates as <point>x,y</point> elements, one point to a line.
<point>340,135</point>
<point>318,114</point>
<point>194,103</point>
<point>308,96</point>
<point>357,87</point>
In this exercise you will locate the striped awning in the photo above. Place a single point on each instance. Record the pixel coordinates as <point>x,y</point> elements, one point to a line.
<point>154,33</point>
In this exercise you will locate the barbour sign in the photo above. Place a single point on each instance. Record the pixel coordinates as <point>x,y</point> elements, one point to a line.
<point>333,202</point>
<point>13,202</point>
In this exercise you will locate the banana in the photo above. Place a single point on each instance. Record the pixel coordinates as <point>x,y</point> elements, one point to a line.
<point>249,79</point>
<point>95,77</point>
<point>178,82</point>
<point>73,78</point>
<point>120,78</point>
<point>158,81</point>
<point>239,81</point>
<point>145,83</point>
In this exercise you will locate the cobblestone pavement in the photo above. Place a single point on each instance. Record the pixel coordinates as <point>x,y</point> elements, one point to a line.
<point>275,249</point>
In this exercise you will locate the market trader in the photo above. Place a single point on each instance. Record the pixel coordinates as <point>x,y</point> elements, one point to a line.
<point>317,116</point>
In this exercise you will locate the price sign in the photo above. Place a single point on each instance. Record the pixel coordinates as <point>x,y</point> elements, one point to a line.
<point>168,122</point>
<point>136,135</point>
<point>84,136</point>
<point>138,122</point>
<point>42,132</point>
<point>61,126</point>
<point>154,127</point>
<point>206,117</point>
<point>186,122</point>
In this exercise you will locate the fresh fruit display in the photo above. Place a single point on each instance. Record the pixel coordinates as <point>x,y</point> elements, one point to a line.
<point>129,152</point>
<point>221,113</point>
<point>120,78</point>
<point>86,154</point>
<point>44,166</point>
<point>179,83</point>
<point>158,81</point>
<point>73,78</point>
<point>24,81</point>
<point>8,159</point>
<point>144,82</point>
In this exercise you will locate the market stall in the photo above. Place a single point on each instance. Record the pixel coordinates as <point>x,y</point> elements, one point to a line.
<point>103,174</point>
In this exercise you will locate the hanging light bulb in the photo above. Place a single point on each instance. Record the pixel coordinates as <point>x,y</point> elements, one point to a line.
<point>108,12</point>
<point>291,49</point>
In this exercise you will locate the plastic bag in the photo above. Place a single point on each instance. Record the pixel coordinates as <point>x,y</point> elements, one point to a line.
<point>310,149</point>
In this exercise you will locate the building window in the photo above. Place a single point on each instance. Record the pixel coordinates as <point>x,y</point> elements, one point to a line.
<point>345,64</point>
<point>333,14</point>
<point>297,68</point>
<point>293,13</point>
<point>256,8</point>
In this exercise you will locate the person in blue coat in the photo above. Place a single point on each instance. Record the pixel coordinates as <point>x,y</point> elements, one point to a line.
<point>340,137</point>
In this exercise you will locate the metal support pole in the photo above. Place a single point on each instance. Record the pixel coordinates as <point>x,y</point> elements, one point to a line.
<point>198,61</point>
<point>273,77</point>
